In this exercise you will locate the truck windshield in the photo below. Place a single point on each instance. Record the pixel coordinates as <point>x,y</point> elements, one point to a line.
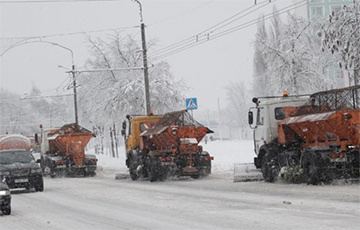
<point>279,113</point>
<point>146,125</point>
<point>11,157</point>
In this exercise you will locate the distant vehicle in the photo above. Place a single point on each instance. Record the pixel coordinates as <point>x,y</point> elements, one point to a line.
<point>165,145</point>
<point>63,151</point>
<point>318,133</point>
<point>15,141</point>
<point>5,197</point>
<point>20,170</point>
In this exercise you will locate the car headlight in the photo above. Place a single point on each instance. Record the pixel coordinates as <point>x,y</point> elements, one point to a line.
<point>4,173</point>
<point>5,193</point>
<point>36,170</point>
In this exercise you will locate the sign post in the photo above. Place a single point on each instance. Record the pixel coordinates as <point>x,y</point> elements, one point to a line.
<point>191,104</point>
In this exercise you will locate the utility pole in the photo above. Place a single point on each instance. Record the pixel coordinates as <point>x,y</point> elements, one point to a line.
<point>145,64</point>
<point>220,124</point>
<point>75,99</point>
<point>72,70</point>
<point>146,72</point>
<point>356,67</point>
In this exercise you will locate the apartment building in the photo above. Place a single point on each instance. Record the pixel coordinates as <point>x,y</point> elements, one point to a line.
<point>319,9</point>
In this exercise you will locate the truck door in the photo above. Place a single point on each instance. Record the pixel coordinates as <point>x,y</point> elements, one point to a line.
<point>258,121</point>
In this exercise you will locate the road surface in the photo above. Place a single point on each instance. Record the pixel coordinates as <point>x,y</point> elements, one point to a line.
<point>216,202</point>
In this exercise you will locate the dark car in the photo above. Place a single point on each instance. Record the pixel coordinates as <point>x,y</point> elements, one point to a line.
<point>20,169</point>
<point>5,198</point>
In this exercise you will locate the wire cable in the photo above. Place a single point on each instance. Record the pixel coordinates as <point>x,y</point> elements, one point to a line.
<point>196,37</point>
<point>207,38</point>
<point>73,33</point>
<point>55,1</point>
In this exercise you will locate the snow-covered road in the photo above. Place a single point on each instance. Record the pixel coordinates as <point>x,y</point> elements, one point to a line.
<point>216,202</point>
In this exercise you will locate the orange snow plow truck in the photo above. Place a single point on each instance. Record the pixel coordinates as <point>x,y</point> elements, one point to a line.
<point>63,151</point>
<point>158,146</point>
<point>312,139</point>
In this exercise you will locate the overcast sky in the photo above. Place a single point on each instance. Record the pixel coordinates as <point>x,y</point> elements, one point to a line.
<point>206,67</point>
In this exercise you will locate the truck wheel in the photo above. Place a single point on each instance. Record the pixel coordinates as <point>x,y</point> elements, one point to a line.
<point>204,166</point>
<point>269,168</point>
<point>6,210</point>
<point>52,172</point>
<point>91,174</point>
<point>195,176</point>
<point>355,165</point>
<point>164,174</point>
<point>133,169</point>
<point>152,172</point>
<point>310,169</point>
<point>39,186</point>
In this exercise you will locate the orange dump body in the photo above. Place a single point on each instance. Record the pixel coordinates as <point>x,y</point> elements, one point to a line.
<point>335,128</point>
<point>185,140</point>
<point>70,141</point>
<point>15,141</point>
<point>176,132</point>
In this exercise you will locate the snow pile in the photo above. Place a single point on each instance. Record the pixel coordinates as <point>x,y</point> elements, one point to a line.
<point>225,153</point>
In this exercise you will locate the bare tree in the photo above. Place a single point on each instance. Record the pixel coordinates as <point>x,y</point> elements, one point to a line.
<point>341,34</point>
<point>288,58</point>
<point>106,97</point>
<point>236,112</point>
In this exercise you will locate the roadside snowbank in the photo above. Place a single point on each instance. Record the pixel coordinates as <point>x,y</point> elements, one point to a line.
<point>226,154</point>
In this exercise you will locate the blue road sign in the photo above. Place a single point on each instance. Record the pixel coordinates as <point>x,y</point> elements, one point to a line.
<point>191,103</point>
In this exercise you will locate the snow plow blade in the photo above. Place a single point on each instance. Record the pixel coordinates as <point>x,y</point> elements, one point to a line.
<point>246,172</point>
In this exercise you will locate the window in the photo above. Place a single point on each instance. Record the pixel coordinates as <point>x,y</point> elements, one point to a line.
<point>336,9</point>
<point>316,1</point>
<point>11,157</point>
<point>146,125</point>
<point>279,114</point>
<point>317,11</point>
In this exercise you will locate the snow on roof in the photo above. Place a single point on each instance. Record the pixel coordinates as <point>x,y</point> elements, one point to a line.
<point>179,118</point>
<point>15,136</point>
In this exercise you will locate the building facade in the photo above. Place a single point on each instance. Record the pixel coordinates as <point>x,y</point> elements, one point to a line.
<point>320,9</point>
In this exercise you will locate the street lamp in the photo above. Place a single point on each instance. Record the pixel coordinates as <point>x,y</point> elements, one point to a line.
<point>145,64</point>
<point>72,67</point>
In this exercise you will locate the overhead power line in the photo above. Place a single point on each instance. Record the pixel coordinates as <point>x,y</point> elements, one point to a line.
<point>198,40</point>
<point>73,33</point>
<point>55,1</point>
<point>211,29</point>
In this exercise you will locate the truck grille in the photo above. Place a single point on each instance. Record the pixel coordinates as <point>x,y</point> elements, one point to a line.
<point>20,172</point>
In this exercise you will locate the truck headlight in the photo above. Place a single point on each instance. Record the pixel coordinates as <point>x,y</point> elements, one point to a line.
<point>5,193</point>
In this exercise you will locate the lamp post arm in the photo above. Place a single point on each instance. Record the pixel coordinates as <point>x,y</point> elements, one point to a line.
<point>141,17</point>
<point>24,42</point>
<point>72,66</point>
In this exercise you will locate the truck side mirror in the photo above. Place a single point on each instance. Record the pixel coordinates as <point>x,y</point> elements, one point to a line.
<point>250,117</point>
<point>36,138</point>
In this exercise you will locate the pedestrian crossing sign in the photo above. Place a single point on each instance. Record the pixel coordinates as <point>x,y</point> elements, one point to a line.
<point>191,103</point>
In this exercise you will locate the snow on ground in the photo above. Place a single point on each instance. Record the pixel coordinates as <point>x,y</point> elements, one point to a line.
<point>215,202</point>
<point>225,153</point>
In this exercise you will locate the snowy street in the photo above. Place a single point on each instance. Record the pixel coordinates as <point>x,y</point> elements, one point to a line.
<point>216,202</point>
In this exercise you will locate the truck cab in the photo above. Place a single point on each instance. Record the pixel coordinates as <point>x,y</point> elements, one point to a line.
<point>134,126</point>
<point>263,119</point>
